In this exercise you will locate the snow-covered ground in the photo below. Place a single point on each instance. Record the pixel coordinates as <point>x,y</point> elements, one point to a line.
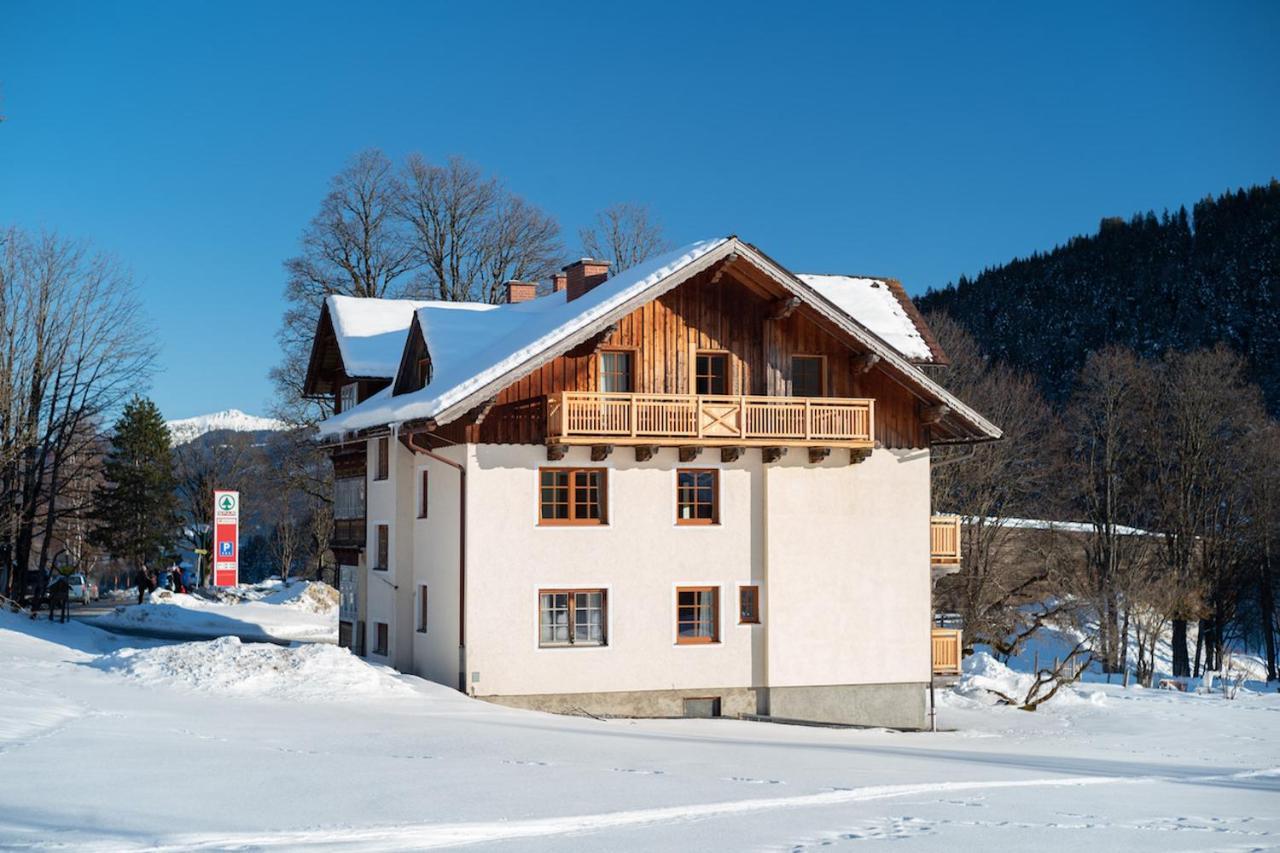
<point>110,742</point>
<point>293,611</point>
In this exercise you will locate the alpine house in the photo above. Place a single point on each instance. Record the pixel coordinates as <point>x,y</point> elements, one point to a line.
<point>700,486</point>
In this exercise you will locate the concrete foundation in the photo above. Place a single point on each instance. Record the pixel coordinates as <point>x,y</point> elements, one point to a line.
<point>900,706</point>
<point>896,706</point>
<point>734,701</point>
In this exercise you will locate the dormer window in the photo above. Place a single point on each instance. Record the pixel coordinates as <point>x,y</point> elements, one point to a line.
<point>424,366</point>
<point>347,397</point>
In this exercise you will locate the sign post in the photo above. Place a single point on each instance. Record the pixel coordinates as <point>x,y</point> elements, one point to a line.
<point>226,538</point>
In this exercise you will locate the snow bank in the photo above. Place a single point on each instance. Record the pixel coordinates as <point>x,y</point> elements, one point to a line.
<point>302,611</point>
<point>983,674</point>
<point>307,673</point>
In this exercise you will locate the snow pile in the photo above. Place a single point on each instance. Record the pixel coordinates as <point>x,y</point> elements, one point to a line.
<point>226,666</point>
<point>984,677</point>
<point>188,429</point>
<point>304,595</point>
<point>873,303</point>
<point>297,613</point>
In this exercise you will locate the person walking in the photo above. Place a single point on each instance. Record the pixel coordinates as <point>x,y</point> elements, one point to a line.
<point>144,584</point>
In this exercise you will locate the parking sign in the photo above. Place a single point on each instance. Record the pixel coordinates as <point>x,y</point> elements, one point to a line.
<point>226,534</point>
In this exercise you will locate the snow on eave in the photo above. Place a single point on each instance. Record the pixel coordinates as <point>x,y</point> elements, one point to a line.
<point>883,306</point>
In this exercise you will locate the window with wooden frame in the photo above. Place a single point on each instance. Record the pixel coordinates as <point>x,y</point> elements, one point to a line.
<point>422,494</point>
<point>617,371</point>
<point>572,617</point>
<point>808,376</point>
<point>422,608</point>
<point>749,605</point>
<point>384,459</point>
<point>423,368</point>
<point>697,496</point>
<point>697,614</point>
<point>381,639</point>
<point>572,496</point>
<point>383,533</point>
<point>711,373</point>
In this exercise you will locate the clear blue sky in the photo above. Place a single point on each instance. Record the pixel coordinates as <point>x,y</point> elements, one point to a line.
<point>195,140</point>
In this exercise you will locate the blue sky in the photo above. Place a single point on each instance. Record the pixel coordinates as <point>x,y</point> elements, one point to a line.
<point>195,141</point>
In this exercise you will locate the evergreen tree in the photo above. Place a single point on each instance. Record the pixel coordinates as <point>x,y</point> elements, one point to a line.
<point>1178,281</point>
<point>136,507</point>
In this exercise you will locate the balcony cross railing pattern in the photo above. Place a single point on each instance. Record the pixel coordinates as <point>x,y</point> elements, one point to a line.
<point>944,540</point>
<point>587,417</point>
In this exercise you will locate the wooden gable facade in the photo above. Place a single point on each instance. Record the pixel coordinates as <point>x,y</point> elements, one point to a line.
<point>732,310</point>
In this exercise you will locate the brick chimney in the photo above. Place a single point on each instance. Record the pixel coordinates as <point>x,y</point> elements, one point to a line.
<point>559,282</point>
<point>584,274</point>
<point>520,291</point>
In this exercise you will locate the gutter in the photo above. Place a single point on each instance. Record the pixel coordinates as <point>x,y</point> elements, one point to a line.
<point>408,439</point>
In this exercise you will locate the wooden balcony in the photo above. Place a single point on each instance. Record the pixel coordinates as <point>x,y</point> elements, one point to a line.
<point>946,651</point>
<point>349,532</point>
<point>944,540</point>
<point>588,417</point>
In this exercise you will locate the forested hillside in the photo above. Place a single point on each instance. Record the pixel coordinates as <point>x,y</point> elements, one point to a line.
<point>1180,280</point>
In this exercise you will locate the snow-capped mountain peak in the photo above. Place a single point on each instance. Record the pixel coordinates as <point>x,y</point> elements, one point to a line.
<point>189,429</point>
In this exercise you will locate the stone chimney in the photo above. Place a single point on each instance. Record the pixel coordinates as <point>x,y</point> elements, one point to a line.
<point>520,291</point>
<point>584,274</point>
<point>559,282</point>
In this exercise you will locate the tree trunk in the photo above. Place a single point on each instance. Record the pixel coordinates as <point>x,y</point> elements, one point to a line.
<point>1200,629</point>
<point>1181,662</point>
<point>1267,600</point>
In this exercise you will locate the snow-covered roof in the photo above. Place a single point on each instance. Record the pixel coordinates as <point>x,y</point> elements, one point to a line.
<point>371,332</point>
<point>475,353</point>
<point>874,303</point>
<point>469,350</point>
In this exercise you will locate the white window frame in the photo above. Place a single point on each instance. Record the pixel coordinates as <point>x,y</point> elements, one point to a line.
<point>350,390</point>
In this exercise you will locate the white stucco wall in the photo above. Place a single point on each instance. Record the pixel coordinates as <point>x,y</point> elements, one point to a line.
<point>435,548</point>
<point>844,591</point>
<point>848,568</point>
<point>389,594</point>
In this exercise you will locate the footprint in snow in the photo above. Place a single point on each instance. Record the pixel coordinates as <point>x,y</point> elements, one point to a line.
<point>638,771</point>
<point>748,780</point>
<point>526,763</point>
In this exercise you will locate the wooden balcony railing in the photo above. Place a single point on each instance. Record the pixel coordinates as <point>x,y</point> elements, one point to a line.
<point>946,651</point>
<point>944,540</point>
<point>588,417</point>
<point>349,531</point>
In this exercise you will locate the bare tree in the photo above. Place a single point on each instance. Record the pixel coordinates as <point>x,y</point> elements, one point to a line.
<point>1203,411</point>
<point>470,234</point>
<point>625,234</point>
<point>1108,430</point>
<point>991,484</point>
<point>356,246</point>
<point>74,348</point>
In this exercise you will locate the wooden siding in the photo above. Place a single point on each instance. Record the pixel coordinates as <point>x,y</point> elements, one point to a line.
<point>702,314</point>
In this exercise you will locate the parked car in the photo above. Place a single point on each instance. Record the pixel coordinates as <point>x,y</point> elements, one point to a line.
<point>80,590</point>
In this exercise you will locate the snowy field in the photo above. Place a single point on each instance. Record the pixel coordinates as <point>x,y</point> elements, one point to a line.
<point>272,610</point>
<point>117,743</point>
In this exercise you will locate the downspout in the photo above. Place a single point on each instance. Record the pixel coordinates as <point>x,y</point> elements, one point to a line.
<point>462,550</point>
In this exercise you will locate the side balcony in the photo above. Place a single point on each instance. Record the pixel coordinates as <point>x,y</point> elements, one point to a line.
<point>944,545</point>
<point>348,533</point>
<point>698,420</point>
<point>946,651</point>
